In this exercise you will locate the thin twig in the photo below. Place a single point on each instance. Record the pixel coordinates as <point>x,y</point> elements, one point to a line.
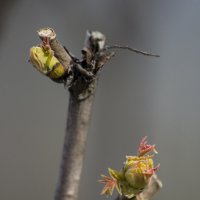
<point>130,49</point>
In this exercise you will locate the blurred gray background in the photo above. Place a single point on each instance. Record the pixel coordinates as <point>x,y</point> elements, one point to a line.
<point>137,95</point>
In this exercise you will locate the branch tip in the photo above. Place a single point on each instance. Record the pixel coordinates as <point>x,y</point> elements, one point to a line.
<point>46,33</point>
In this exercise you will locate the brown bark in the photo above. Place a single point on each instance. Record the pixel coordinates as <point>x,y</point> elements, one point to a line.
<point>79,113</point>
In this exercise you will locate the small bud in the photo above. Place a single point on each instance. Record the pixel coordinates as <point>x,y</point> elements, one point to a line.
<point>135,174</point>
<point>46,63</point>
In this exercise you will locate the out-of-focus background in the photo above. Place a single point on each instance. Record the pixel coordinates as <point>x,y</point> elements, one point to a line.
<point>157,97</point>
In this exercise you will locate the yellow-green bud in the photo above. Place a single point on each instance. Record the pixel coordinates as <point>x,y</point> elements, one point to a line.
<point>134,176</point>
<point>46,63</point>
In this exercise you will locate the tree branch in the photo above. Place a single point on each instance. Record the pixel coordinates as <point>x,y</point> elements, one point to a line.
<point>81,78</point>
<point>79,113</point>
<point>82,88</point>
